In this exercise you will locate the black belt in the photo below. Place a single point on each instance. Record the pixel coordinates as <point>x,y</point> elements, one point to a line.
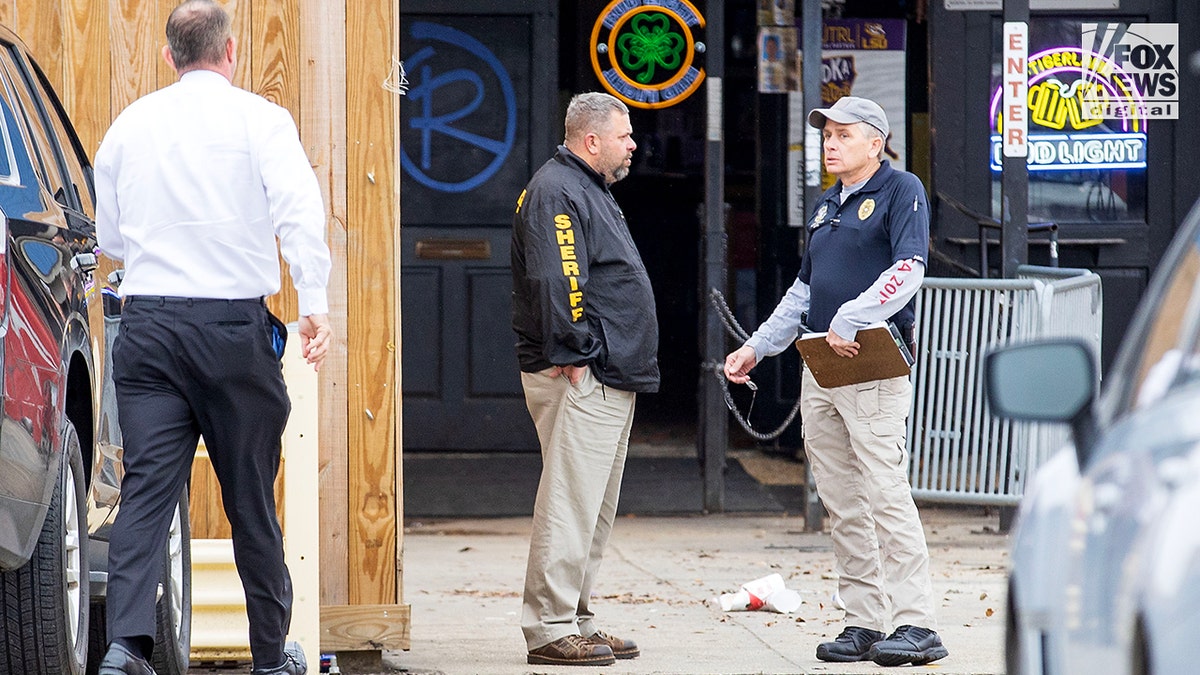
<point>173,299</point>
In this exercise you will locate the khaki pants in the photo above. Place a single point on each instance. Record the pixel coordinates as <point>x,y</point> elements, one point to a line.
<point>855,440</point>
<point>584,433</point>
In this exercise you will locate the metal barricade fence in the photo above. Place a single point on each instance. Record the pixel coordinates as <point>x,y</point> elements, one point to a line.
<point>959,451</point>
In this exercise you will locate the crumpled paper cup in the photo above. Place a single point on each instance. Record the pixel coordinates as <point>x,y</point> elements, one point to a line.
<point>767,593</point>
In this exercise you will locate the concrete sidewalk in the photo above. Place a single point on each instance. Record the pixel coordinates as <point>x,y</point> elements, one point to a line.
<point>463,579</point>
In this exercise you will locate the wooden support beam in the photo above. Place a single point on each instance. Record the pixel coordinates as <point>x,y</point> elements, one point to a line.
<point>371,336</point>
<point>394,57</point>
<point>275,75</point>
<point>351,628</point>
<point>323,132</point>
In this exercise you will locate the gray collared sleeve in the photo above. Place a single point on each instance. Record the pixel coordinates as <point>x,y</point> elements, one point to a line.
<point>783,327</point>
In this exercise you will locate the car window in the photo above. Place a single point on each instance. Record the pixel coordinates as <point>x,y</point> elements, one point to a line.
<point>1163,348</point>
<point>9,175</point>
<point>1161,343</point>
<point>44,147</point>
<point>19,195</point>
<point>73,155</point>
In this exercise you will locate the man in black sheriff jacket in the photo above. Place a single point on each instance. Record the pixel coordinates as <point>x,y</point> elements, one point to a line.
<point>587,342</point>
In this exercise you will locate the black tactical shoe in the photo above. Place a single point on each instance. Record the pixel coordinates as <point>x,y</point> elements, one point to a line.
<point>294,662</point>
<point>852,645</point>
<point>908,644</point>
<point>120,661</point>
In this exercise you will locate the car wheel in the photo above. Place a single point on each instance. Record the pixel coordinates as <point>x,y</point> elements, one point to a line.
<point>1012,636</point>
<point>97,637</point>
<point>44,604</point>
<point>1140,652</point>
<point>173,643</point>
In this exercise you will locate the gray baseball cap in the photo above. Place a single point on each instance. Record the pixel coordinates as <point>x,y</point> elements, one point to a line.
<point>850,110</point>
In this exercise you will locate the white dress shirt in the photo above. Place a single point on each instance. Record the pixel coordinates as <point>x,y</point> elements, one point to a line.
<point>194,182</point>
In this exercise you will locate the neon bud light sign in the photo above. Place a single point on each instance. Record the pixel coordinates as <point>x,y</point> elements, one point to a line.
<point>1063,85</point>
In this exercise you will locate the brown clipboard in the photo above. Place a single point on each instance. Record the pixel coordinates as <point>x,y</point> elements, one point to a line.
<point>881,355</point>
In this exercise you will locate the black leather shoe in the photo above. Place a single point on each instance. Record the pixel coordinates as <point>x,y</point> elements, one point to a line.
<point>120,661</point>
<point>294,662</point>
<point>908,644</point>
<point>852,645</point>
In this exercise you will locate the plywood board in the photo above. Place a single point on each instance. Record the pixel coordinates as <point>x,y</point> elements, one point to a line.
<point>40,25</point>
<point>86,71</point>
<point>135,50</point>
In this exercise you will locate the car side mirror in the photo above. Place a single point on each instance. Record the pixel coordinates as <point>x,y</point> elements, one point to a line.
<point>1051,380</point>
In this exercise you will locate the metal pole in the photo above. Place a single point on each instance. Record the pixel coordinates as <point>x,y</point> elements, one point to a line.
<point>1014,190</point>
<point>714,422</point>
<point>810,76</point>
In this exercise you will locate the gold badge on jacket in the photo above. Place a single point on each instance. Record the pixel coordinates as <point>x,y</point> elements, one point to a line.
<point>866,209</point>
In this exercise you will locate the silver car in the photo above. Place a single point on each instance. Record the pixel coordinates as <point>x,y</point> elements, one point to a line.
<point>1106,550</point>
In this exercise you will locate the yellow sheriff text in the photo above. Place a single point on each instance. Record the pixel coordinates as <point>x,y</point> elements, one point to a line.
<point>564,234</point>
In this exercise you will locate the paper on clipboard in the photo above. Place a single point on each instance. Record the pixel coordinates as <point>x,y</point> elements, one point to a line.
<point>882,354</point>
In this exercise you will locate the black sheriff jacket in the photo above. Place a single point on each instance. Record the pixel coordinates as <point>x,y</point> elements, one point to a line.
<point>581,294</point>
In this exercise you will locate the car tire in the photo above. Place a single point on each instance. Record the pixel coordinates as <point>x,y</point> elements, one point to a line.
<point>1139,652</point>
<point>97,636</point>
<point>173,614</point>
<point>1012,633</point>
<point>173,642</point>
<point>44,604</point>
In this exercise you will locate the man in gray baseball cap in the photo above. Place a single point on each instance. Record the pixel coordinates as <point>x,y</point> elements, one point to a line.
<point>849,110</point>
<point>868,236</point>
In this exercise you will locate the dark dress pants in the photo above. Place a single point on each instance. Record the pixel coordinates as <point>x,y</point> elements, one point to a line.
<point>185,368</point>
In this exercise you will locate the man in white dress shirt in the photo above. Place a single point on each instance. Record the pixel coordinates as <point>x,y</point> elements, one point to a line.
<point>194,183</point>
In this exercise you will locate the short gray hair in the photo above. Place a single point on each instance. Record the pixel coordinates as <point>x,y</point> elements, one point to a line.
<point>869,132</point>
<point>197,32</point>
<point>588,113</point>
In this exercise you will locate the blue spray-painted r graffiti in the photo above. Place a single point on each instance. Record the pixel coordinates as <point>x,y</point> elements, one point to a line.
<point>426,86</point>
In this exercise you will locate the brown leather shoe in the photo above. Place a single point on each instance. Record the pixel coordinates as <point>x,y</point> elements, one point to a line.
<point>572,650</point>
<point>622,649</point>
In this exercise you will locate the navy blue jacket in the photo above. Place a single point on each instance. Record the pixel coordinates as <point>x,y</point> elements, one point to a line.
<point>851,244</point>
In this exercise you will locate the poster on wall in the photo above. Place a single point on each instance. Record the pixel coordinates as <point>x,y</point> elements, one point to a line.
<point>859,57</point>
<point>776,12</point>
<point>998,5</point>
<point>777,69</point>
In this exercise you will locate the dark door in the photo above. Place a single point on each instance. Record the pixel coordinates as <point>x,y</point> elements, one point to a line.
<point>481,114</point>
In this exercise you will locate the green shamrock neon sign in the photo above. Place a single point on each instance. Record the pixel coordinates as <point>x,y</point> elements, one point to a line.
<point>650,43</point>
